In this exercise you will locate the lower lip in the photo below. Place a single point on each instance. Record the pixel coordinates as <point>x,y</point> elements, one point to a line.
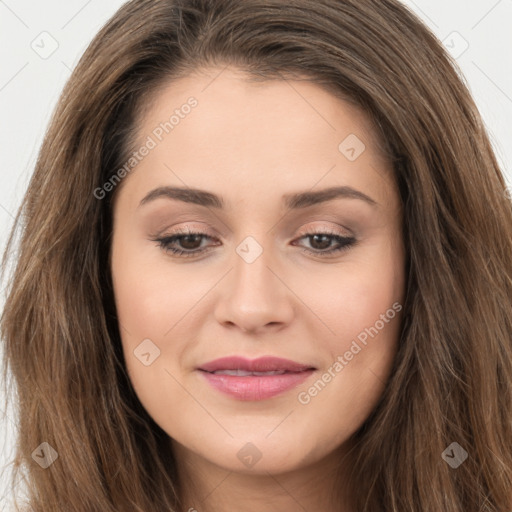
<point>256,387</point>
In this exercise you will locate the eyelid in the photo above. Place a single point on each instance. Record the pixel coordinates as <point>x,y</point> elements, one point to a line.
<point>184,230</point>
<point>305,230</point>
<point>347,242</point>
<point>308,229</point>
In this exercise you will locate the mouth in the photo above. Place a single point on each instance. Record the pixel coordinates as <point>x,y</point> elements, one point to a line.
<point>257,379</point>
<point>244,373</point>
<point>264,364</point>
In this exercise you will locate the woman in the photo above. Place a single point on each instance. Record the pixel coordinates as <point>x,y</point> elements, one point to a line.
<point>264,260</point>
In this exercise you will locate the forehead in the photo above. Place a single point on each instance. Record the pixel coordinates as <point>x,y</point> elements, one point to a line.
<point>277,135</point>
<point>230,97</point>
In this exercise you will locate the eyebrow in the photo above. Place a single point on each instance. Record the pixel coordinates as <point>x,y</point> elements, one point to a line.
<point>292,201</point>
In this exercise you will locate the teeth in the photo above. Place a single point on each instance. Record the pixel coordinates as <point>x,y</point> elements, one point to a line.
<point>243,373</point>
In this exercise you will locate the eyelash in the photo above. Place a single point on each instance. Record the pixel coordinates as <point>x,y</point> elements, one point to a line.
<point>165,243</point>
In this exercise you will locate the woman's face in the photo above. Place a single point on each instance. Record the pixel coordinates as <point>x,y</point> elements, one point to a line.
<point>252,164</point>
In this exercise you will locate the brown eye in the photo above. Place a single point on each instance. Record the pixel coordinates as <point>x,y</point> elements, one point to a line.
<point>188,243</point>
<point>321,243</point>
<point>183,243</point>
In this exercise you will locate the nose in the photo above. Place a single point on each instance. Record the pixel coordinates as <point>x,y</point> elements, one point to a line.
<point>254,296</point>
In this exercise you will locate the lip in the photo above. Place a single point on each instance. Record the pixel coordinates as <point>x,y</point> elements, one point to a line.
<point>262,364</point>
<point>255,387</point>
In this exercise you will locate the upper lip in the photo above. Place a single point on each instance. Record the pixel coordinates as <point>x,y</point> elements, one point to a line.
<point>262,364</point>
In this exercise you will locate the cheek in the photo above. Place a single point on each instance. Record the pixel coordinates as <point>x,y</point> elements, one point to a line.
<point>362,309</point>
<point>155,300</point>
<point>150,301</point>
<point>353,297</point>
<point>150,295</point>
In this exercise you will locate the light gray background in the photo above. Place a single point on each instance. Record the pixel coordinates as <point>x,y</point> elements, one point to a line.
<point>41,42</point>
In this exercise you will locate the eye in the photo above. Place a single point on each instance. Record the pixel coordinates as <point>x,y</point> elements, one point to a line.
<point>187,243</point>
<point>188,240</point>
<point>321,243</point>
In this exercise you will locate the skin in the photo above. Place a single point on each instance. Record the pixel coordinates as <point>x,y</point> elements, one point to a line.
<point>251,143</point>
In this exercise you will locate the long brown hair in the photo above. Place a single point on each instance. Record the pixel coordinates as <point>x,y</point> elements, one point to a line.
<point>452,376</point>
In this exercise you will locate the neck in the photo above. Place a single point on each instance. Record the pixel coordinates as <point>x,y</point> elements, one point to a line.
<point>207,487</point>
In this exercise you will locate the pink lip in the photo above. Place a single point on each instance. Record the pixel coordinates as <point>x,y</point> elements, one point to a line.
<point>255,387</point>
<point>262,364</point>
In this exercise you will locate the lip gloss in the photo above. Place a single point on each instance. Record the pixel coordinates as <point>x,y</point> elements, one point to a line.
<point>255,387</point>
